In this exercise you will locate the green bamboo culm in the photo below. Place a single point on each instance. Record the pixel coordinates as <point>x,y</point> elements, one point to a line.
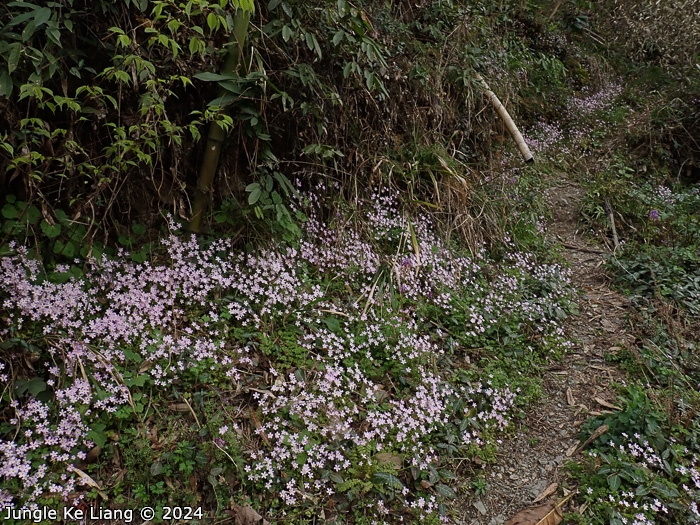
<point>216,135</point>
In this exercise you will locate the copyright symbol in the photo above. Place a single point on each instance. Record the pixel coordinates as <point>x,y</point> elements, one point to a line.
<point>147,513</point>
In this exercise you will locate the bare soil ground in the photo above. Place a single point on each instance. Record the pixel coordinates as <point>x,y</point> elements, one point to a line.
<point>580,386</point>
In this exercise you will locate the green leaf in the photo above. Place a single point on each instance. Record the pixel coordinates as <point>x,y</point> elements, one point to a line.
<point>614,482</point>
<point>389,480</point>
<point>332,323</point>
<point>13,57</point>
<point>212,22</point>
<point>51,231</point>
<point>5,84</point>
<point>348,69</point>
<point>286,33</point>
<point>338,37</point>
<point>42,16</point>
<point>272,4</point>
<point>254,195</point>
<point>97,435</point>
<point>28,31</point>
<point>207,76</point>
<point>9,211</point>
<point>156,468</point>
<point>194,45</point>
<point>69,250</point>
<point>36,386</point>
<point>54,35</point>
<point>445,491</point>
<point>335,477</point>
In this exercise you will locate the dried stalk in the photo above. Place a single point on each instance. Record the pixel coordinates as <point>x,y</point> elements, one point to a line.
<point>611,218</point>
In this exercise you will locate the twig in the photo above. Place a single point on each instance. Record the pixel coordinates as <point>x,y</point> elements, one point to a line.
<point>556,8</point>
<point>611,218</point>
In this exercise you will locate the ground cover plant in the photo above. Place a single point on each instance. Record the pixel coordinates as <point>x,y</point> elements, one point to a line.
<point>337,353</point>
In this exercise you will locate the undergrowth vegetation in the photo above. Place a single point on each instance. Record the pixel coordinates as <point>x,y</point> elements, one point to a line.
<point>373,296</point>
<point>335,359</point>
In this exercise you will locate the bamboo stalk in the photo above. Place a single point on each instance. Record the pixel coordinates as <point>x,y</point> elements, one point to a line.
<point>216,135</point>
<point>510,125</point>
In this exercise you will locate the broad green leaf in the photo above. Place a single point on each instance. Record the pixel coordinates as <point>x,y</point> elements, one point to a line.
<point>194,45</point>
<point>384,478</point>
<point>254,195</point>
<point>156,468</point>
<point>51,231</point>
<point>42,16</point>
<point>5,85</point>
<point>445,491</point>
<point>335,477</point>
<point>28,31</point>
<point>69,250</point>
<point>13,57</point>
<point>338,37</point>
<point>207,76</point>
<point>286,33</point>
<point>614,482</point>
<point>10,212</point>
<point>212,22</point>
<point>272,4</point>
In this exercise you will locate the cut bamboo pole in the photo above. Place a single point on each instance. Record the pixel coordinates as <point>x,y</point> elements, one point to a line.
<point>510,125</point>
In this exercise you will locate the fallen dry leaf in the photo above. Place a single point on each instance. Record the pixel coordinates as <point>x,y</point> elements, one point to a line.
<point>599,432</point>
<point>87,480</point>
<point>547,514</point>
<point>551,489</point>
<point>248,516</point>
<point>604,403</point>
<point>570,397</point>
<point>388,457</point>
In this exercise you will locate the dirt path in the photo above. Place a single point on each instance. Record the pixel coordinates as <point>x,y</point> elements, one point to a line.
<point>573,390</point>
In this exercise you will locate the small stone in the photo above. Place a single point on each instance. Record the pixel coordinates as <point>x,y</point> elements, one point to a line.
<point>478,505</point>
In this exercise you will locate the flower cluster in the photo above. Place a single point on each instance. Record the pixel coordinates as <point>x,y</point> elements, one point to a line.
<point>678,467</point>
